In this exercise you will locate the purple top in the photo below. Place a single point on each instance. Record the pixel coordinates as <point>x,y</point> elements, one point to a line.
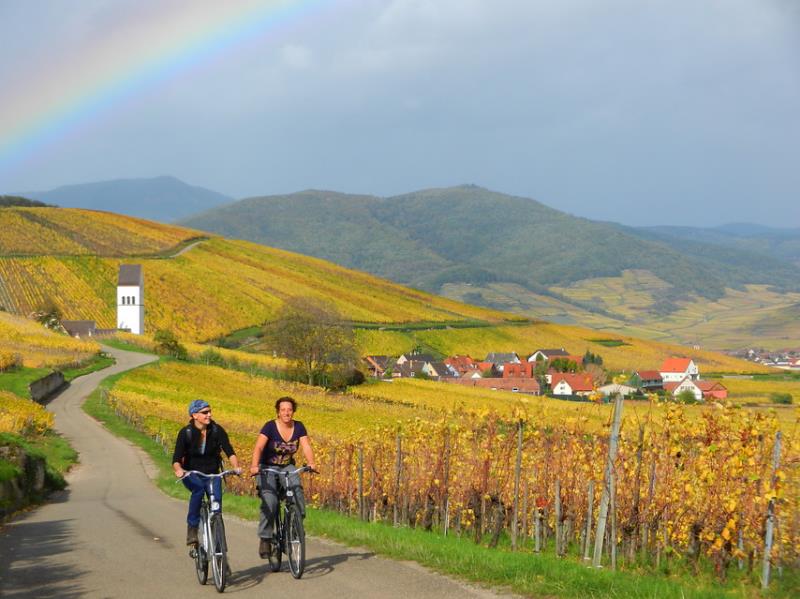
<point>277,451</point>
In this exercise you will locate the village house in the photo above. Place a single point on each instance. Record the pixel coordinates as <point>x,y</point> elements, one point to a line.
<point>547,354</point>
<point>647,380</point>
<point>378,365</point>
<point>500,359</point>
<point>675,370</point>
<point>565,383</point>
<point>417,357</point>
<point>462,364</point>
<point>439,370</point>
<point>80,329</point>
<point>519,370</point>
<point>702,390</point>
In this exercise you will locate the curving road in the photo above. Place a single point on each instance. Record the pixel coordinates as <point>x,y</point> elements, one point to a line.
<point>112,533</point>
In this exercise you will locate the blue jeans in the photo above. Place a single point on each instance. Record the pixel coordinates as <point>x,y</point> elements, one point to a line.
<point>199,486</point>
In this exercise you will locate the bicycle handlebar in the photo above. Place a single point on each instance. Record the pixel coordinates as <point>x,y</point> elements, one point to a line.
<point>289,472</point>
<point>203,474</point>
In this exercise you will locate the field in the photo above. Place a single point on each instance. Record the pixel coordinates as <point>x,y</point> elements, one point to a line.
<point>631,355</point>
<point>38,347</point>
<point>72,232</point>
<point>751,317</point>
<point>21,416</point>
<point>679,468</point>
<point>217,287</point>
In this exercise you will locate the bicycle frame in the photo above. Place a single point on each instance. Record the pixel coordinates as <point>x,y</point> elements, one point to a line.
<point>209,548</point>
<point>289,533</point>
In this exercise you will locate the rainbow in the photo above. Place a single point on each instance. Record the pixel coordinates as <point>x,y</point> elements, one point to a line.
<point>53,106</point>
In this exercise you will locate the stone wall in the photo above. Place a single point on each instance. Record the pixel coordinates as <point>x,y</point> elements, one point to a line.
<point>29,485</point>
<point>46,386</point>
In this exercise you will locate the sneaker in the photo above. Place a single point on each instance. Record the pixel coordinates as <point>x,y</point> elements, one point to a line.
<point>191,535</point>
<point>265,548</point>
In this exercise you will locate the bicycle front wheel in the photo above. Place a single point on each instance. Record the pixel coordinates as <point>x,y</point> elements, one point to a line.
<point>277,541</point>
<point>295,543</point>
<point>200,557</point>
<point>218,553</point>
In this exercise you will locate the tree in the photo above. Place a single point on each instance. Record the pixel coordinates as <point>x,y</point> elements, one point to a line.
<point>686,396</point>
<point>168,344</point>
<point>313,336</point>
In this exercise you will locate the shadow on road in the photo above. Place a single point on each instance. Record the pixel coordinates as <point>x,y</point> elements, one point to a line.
<point>26,571</point>
<point>315,568</point>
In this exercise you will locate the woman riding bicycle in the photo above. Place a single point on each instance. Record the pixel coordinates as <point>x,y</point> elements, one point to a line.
<point>198,447</point>
<point>275,447</point>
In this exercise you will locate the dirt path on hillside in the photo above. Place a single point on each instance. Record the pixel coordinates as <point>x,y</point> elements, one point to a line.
<point>112,533</point>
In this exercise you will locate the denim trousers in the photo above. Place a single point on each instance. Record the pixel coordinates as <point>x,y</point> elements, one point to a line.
<point>199,487</point>
<point>268,487</point>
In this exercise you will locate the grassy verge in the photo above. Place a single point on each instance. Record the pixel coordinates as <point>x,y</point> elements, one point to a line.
<point>97,362</point>
<point>56,452</point>
<point>17,381</point>
<point>522,572</point>
<point>117,344</point>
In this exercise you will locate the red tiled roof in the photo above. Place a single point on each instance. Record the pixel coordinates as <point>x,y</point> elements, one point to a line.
<point>577,382</point>
<point>648,374</point>
<point>675,365</point>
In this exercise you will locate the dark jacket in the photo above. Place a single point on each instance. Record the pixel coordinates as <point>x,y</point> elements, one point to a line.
<point>188,451</point>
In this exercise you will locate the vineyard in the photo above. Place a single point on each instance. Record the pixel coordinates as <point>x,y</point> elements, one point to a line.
<point>689,483</point>
<point>74,232</point>
<point>31,345</point>
<point>216,287</point>
<point>24,417</point>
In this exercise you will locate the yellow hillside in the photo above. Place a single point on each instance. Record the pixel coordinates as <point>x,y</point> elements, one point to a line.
<point>631,354</point>
<point>75,232</point>
<point>219,285</point>
<point>38,346</point>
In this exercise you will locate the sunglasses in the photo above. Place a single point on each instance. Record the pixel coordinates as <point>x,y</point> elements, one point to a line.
<point>205,412</point>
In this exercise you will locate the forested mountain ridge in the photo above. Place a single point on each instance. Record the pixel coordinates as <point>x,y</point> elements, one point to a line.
<point>468,234</point>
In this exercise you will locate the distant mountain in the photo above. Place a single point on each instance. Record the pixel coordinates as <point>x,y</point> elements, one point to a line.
<point>471,235</point>
<point>783,244</point>
<point>165,199</point>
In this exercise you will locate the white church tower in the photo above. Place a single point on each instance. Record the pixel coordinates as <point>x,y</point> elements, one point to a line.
<point>130,298</point>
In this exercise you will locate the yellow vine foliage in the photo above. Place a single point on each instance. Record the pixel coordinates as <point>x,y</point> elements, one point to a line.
<point>21,416</point>
<point>689,479</point>
<point>39,347</point>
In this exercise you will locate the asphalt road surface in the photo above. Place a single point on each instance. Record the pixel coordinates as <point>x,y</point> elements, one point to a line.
<point>112,533</point>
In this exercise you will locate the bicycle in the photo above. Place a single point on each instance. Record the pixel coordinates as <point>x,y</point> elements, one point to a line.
<point>211,535</point>
<point>289,535</point>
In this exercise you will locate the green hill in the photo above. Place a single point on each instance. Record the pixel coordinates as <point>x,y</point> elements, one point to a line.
<point>507,252</point>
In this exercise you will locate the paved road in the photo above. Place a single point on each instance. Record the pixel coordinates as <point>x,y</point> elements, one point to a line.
<point>112,533</point>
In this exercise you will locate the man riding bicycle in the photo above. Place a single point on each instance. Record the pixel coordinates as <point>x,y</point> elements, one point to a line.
<point>198,447</point>
<point>275,447</point>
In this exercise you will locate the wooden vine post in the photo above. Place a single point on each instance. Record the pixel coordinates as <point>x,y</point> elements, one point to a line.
<point>602,517</point>
<point>770,528</point>
<point>517,473</point>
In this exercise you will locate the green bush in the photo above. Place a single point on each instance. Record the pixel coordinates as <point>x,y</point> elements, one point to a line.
<point>781,398</point>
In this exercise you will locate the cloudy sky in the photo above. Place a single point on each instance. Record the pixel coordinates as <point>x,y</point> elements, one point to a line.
<point>635,111</point>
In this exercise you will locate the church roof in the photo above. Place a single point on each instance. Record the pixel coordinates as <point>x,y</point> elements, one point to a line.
<point>130,274</point>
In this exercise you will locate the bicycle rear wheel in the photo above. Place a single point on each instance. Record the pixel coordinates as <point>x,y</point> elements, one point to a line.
<point>277,541</point>
<point>219,553</point>
<point>295,543</point>
<point>200,558</point>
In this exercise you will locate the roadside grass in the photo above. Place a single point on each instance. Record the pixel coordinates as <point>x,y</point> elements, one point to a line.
<point>123,345</point>
<point>522,572</point>
<point>16,381</point>
<point>55,450</point>
<point>98,362</point>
